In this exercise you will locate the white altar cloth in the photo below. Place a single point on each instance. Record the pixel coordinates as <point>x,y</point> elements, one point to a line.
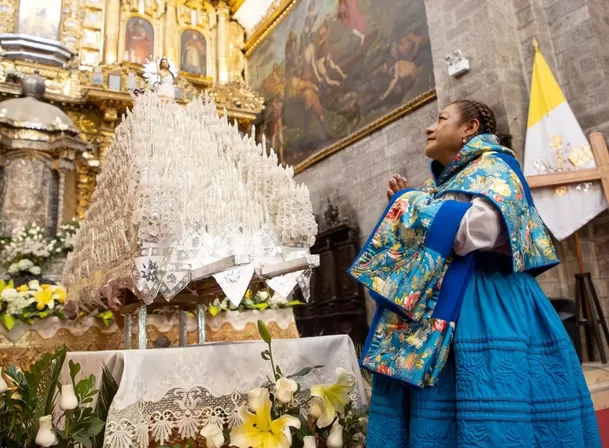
<point>174,392</point>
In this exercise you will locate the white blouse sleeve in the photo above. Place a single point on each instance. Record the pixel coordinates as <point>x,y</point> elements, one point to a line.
<point>481,228</point>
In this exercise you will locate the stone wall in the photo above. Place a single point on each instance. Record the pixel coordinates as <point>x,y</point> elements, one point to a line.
<point>496,36</point>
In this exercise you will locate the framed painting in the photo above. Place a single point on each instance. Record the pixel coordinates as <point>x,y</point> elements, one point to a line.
<point>139,41</point>
<point>193,52</point>
<point>40,18</point>
<point>334,71</point>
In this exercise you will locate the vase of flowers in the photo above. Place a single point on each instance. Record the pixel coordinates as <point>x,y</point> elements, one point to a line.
<point>272,418</point>
<point>37,410</point>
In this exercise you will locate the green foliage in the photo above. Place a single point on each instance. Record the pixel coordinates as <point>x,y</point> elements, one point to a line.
<point>107,391</point>
<point>33,394</point>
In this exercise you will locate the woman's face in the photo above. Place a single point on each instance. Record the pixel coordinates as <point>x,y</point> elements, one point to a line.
<point>445,136</point>
<point>164,64</point>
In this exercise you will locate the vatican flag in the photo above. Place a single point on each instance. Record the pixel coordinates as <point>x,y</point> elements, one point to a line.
<point>556,143</point>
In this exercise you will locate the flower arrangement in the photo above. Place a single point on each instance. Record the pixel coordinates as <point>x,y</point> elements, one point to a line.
<point>274,419</point>
<point>29,302</point>
<point>26,251</point>
<point>28,406</point>
<point>29,247</point>
<point>261,300</point>
<point>63,242</point>
<point>33,301</point>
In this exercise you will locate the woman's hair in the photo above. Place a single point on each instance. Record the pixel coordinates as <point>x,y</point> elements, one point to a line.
<point>474,110</point>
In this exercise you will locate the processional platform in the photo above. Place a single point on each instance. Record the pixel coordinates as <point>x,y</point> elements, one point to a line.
<point>187,208</point>
<point>199,294</point>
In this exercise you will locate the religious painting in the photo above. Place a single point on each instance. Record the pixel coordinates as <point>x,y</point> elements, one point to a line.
<point>334,71</point>
<point>139,42</point>
<point>40,18</point>
<point>193,49</point>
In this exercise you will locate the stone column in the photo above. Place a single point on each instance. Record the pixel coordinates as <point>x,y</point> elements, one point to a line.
<point>171,31</point>
<point>28,193</point>
<point>112,22</point>
<point>487,34</point>
<point>223,30</point>
<point>57,166</point>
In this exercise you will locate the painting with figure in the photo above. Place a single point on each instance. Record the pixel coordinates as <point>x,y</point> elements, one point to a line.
<point>193,51</point>
<point>139,42</point>
<point>40,18</point>
<point>333,68</point>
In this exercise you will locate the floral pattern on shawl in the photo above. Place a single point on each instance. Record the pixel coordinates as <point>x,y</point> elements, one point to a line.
<point>407,351</point>
<point>395,263</point>
<point>479,170</point>
<point>407,342</point>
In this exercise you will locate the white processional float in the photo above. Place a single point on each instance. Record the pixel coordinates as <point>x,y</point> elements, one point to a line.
<point>182,197</point>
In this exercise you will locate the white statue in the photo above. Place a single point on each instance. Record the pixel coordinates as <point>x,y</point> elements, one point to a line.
<point>161,76</point>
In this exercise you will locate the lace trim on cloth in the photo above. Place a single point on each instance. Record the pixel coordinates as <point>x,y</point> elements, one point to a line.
<point>180,415</point>
<point>168,393</point>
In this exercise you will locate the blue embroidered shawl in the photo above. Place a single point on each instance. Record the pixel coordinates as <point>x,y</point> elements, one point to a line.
<point>408,265</point>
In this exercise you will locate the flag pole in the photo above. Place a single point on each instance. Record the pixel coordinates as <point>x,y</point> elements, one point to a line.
<point>578,250</point>
<point>535,44</point>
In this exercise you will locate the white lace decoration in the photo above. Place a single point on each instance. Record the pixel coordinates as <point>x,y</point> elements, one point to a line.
<point>181,189</point>
<point>167,391</point>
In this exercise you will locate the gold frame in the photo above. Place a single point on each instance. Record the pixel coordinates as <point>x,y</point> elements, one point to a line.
<point>268,25</point>
<point>209,56</point>
<point>157,44</point>
<point>262,32</point>
<point>62,18</point>
<point>376,125</point>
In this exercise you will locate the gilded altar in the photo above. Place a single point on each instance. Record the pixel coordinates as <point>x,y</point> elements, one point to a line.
<point>91,55</point>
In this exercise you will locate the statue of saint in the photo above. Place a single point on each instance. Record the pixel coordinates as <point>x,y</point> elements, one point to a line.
<point>161,77</point>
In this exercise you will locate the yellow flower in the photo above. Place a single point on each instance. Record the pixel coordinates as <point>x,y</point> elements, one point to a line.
<point>378,284</point>
<point>501,187</point>
<point>44,297</point>
<point>23,288</point>
<point>60,294</point>
<point>260,431</point>
<point>334,397</point>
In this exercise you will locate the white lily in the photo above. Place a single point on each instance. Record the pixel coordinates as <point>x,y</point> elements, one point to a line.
<point>334,396</point>
<point>3,385</point>
<point>45,436</point>
<point>335,438</point>
<point>309,442</point>
<point>68,399</point>
<point>214,437</point>
<point>256,398</point>
<point>285,390</point>
<point>317,408</point>
<point>259,430</point>
<point>10,294</point>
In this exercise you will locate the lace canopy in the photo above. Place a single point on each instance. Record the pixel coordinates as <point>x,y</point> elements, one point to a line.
<point>182,189</point>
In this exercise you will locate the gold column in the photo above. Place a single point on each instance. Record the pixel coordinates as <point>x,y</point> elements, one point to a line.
<point>113,12</point>
<point>170,30</point>
<point>223,30</point>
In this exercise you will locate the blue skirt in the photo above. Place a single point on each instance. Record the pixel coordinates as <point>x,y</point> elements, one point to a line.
<point>513,379</point>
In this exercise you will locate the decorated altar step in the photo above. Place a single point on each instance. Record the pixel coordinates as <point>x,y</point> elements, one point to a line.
<point>24,344</point>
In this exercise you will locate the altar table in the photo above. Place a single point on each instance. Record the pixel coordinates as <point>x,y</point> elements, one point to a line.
<point>169,394</point>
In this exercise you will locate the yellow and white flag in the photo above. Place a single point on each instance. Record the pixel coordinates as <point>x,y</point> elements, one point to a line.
<point>556,143</point>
